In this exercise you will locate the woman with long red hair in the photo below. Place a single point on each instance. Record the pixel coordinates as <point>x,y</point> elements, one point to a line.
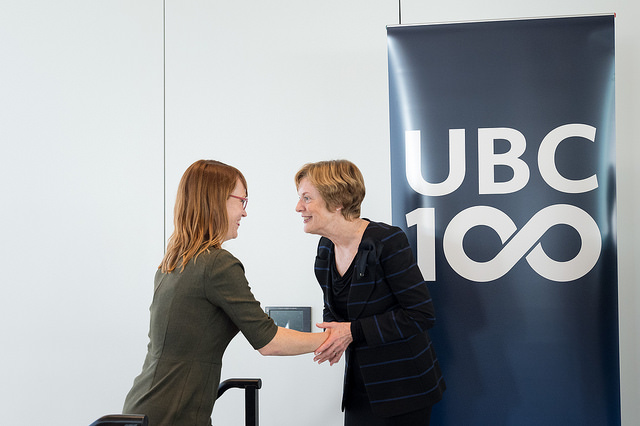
<point>201,301</point>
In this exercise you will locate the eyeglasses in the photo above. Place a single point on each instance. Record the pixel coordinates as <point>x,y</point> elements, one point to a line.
<point>245,200</point>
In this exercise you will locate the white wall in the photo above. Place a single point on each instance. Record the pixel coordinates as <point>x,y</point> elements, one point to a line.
<point>265,86</point>
<point>81,211</point>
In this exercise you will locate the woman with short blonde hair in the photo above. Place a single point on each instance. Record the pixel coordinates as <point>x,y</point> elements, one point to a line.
<point>339,182</point>
<point>376,302</point>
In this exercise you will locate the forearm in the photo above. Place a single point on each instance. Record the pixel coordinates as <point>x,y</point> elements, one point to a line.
<point>292,342</point>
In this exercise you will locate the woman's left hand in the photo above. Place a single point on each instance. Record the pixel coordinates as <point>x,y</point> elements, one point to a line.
<point>333,348</point>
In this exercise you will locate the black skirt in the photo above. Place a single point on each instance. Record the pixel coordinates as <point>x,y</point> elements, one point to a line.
<point>358,411</point>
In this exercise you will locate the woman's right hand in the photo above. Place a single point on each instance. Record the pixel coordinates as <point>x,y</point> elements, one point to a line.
<point>335,345</point>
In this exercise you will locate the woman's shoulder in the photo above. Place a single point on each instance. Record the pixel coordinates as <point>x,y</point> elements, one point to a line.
<point>217,256</point>
<point>381,230</point>
<point>325,245</point>
<point>217,263</point>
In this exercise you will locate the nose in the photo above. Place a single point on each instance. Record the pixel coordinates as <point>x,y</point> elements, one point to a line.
<point>299,206</point>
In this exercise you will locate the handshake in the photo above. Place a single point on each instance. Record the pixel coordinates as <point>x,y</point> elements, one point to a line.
<point>335,344</point>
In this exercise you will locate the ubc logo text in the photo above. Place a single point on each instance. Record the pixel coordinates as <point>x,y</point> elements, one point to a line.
<point>519,242</point>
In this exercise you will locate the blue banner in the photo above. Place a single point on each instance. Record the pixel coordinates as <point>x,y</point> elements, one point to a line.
<point>503,177</point>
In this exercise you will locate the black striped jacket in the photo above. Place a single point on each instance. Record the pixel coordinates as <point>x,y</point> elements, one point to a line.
<point>390,298</point>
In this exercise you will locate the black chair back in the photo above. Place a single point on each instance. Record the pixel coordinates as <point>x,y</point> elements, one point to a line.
<point>122,420</point>
<point>250,386</point>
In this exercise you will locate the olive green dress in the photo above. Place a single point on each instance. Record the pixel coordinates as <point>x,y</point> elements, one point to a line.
<point>194,315</point>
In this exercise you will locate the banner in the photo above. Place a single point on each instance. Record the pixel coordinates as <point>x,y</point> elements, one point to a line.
<point>503,177</point>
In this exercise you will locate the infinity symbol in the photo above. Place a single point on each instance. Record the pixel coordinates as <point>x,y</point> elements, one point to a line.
<point>521,242</point>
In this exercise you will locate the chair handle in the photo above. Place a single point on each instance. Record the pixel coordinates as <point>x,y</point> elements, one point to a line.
<point>122,419</point>
<point>239,383</point>
<point>250,387</point>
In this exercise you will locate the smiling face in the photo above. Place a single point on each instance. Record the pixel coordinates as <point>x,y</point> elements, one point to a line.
<point>235,210</point>
<point>316,216</point>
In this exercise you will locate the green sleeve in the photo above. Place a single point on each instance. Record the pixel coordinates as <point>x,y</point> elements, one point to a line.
<point>227,288</point>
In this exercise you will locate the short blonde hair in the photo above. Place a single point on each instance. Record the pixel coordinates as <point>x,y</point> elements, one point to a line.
<point>339,182</point>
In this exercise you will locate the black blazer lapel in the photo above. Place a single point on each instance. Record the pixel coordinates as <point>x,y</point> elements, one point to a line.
<point>364,278</point>
<point>322,270</point>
